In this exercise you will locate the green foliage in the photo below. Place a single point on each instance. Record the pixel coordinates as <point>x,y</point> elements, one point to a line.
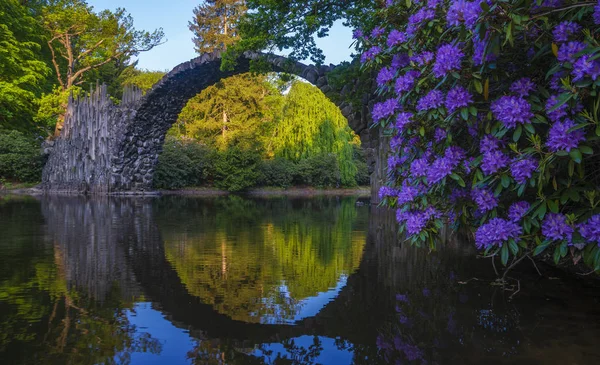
<point>311,126</point>
<point>363,178</point>
<point>20,157</point>
<point>278,172</point>
<point>293,25</point>
<point>143,79</point>
<point>237,168</point>
<point>183,163</point>
<point>22,69</point>
<point>236,110</point>
<point>215,24</point>
<point>83,40</point>
<point>322,171</point>
<point>52,106</point>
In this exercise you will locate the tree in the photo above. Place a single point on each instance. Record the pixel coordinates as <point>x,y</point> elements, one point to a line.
<point>22,69</point>
<point>215,24</point>
<point>143,79</point>
<point>236,110</point>
<point>293,24</point>
<point>82,40</point>
<point>311,126</point>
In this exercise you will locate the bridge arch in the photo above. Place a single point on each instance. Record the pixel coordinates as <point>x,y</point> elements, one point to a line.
<point>107,148</point>
<point>159,108</point>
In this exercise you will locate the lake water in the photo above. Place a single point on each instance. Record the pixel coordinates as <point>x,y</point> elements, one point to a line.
<point>180,280</point>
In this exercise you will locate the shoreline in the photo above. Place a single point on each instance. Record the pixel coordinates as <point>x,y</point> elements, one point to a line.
<point>362,192</point>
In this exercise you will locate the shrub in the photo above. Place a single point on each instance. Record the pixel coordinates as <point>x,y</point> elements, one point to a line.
<point>494,112</point>
<point>320,171</point>
<point>278,172</point>
<point>237,169</point>
<point>362,177</point>
<point>20,157</point>
<point>182,163</point>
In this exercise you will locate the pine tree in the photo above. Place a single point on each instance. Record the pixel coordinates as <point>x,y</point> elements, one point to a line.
<point>215,24</point>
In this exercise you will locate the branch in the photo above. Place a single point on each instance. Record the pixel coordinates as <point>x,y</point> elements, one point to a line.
<point>556,10</point>
<point>77,74</point>
<point>56,68</point>
<point>90,49</point>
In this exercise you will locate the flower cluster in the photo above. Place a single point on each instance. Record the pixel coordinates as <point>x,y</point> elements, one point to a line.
<point>491,116</point>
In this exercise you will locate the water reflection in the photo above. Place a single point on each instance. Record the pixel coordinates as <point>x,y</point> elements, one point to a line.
<point>264,263</point>
<point>235,281</point>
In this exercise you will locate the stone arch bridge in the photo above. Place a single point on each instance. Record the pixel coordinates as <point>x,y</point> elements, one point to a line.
<point>108,148</point>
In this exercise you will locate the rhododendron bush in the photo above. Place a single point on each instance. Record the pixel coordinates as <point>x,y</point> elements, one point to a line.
<point>492,112</point>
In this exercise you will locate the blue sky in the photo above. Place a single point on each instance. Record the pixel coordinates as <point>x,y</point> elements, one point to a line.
<point>173,16</point>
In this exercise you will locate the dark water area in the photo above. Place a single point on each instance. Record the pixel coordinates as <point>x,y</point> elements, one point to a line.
<point>181,280</point>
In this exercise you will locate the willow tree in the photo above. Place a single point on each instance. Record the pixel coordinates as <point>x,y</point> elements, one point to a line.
<point>312,125</point>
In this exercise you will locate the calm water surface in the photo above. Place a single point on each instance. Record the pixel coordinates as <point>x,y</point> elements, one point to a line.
<point>178,280</point>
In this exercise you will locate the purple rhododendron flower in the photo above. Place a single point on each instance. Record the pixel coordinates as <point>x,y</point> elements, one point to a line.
<point>419,167</point>
<point>485,199</point>
<point>521,170</point>
<point>597,13</point>
<point>385,75</point>
<point>377,32</point>
<point>455,154</point>
<point>357,34</point>
<point>400,60</point>
<point>403,119</point>
<point>488,143</point>
<point>458,97</point>
<point>493,161</point>
<point>421,15</point>
<point>439,169</point>
<point>439,135</point>
<point>389,3</point>
<point>463,11</point>
<point>558,113</point>
<point>384,109</point>
<point>408,193</point>
<point>479,48</point>
<point>517,211</point>
<point>370,54</point>
<point>585,66</point>
<point>448,58</point>
<point>386,191</point>
<point>522,87</point>
<point>422,58</point>
<point>395,37</point>
<point>434,99</point>
<point>590,230</point>
<point>512,110</point>
<point>407,81</point>
<point>394,161</point>
<point>567,51</point>
<point>432,4</point>
<point>496,232</point>
<point>556,228</point>
<point>563,31</point>
<point>560,139</point>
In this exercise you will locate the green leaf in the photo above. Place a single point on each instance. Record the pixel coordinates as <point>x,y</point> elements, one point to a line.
<point>556,255</point>
<point>512,245</point>
<point>562,99</point>
<point>586,150</point>
<point>517,133</point>
<point>478,86</point>
<point>540,211</point>
<point>464,113</point>
<point>504,254</point>
<point>529,128</point>
<point>484,6</point>
<point>505,181</point>
<point>553,205</point>
<point>576,155</point>
<point>540,248</point>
